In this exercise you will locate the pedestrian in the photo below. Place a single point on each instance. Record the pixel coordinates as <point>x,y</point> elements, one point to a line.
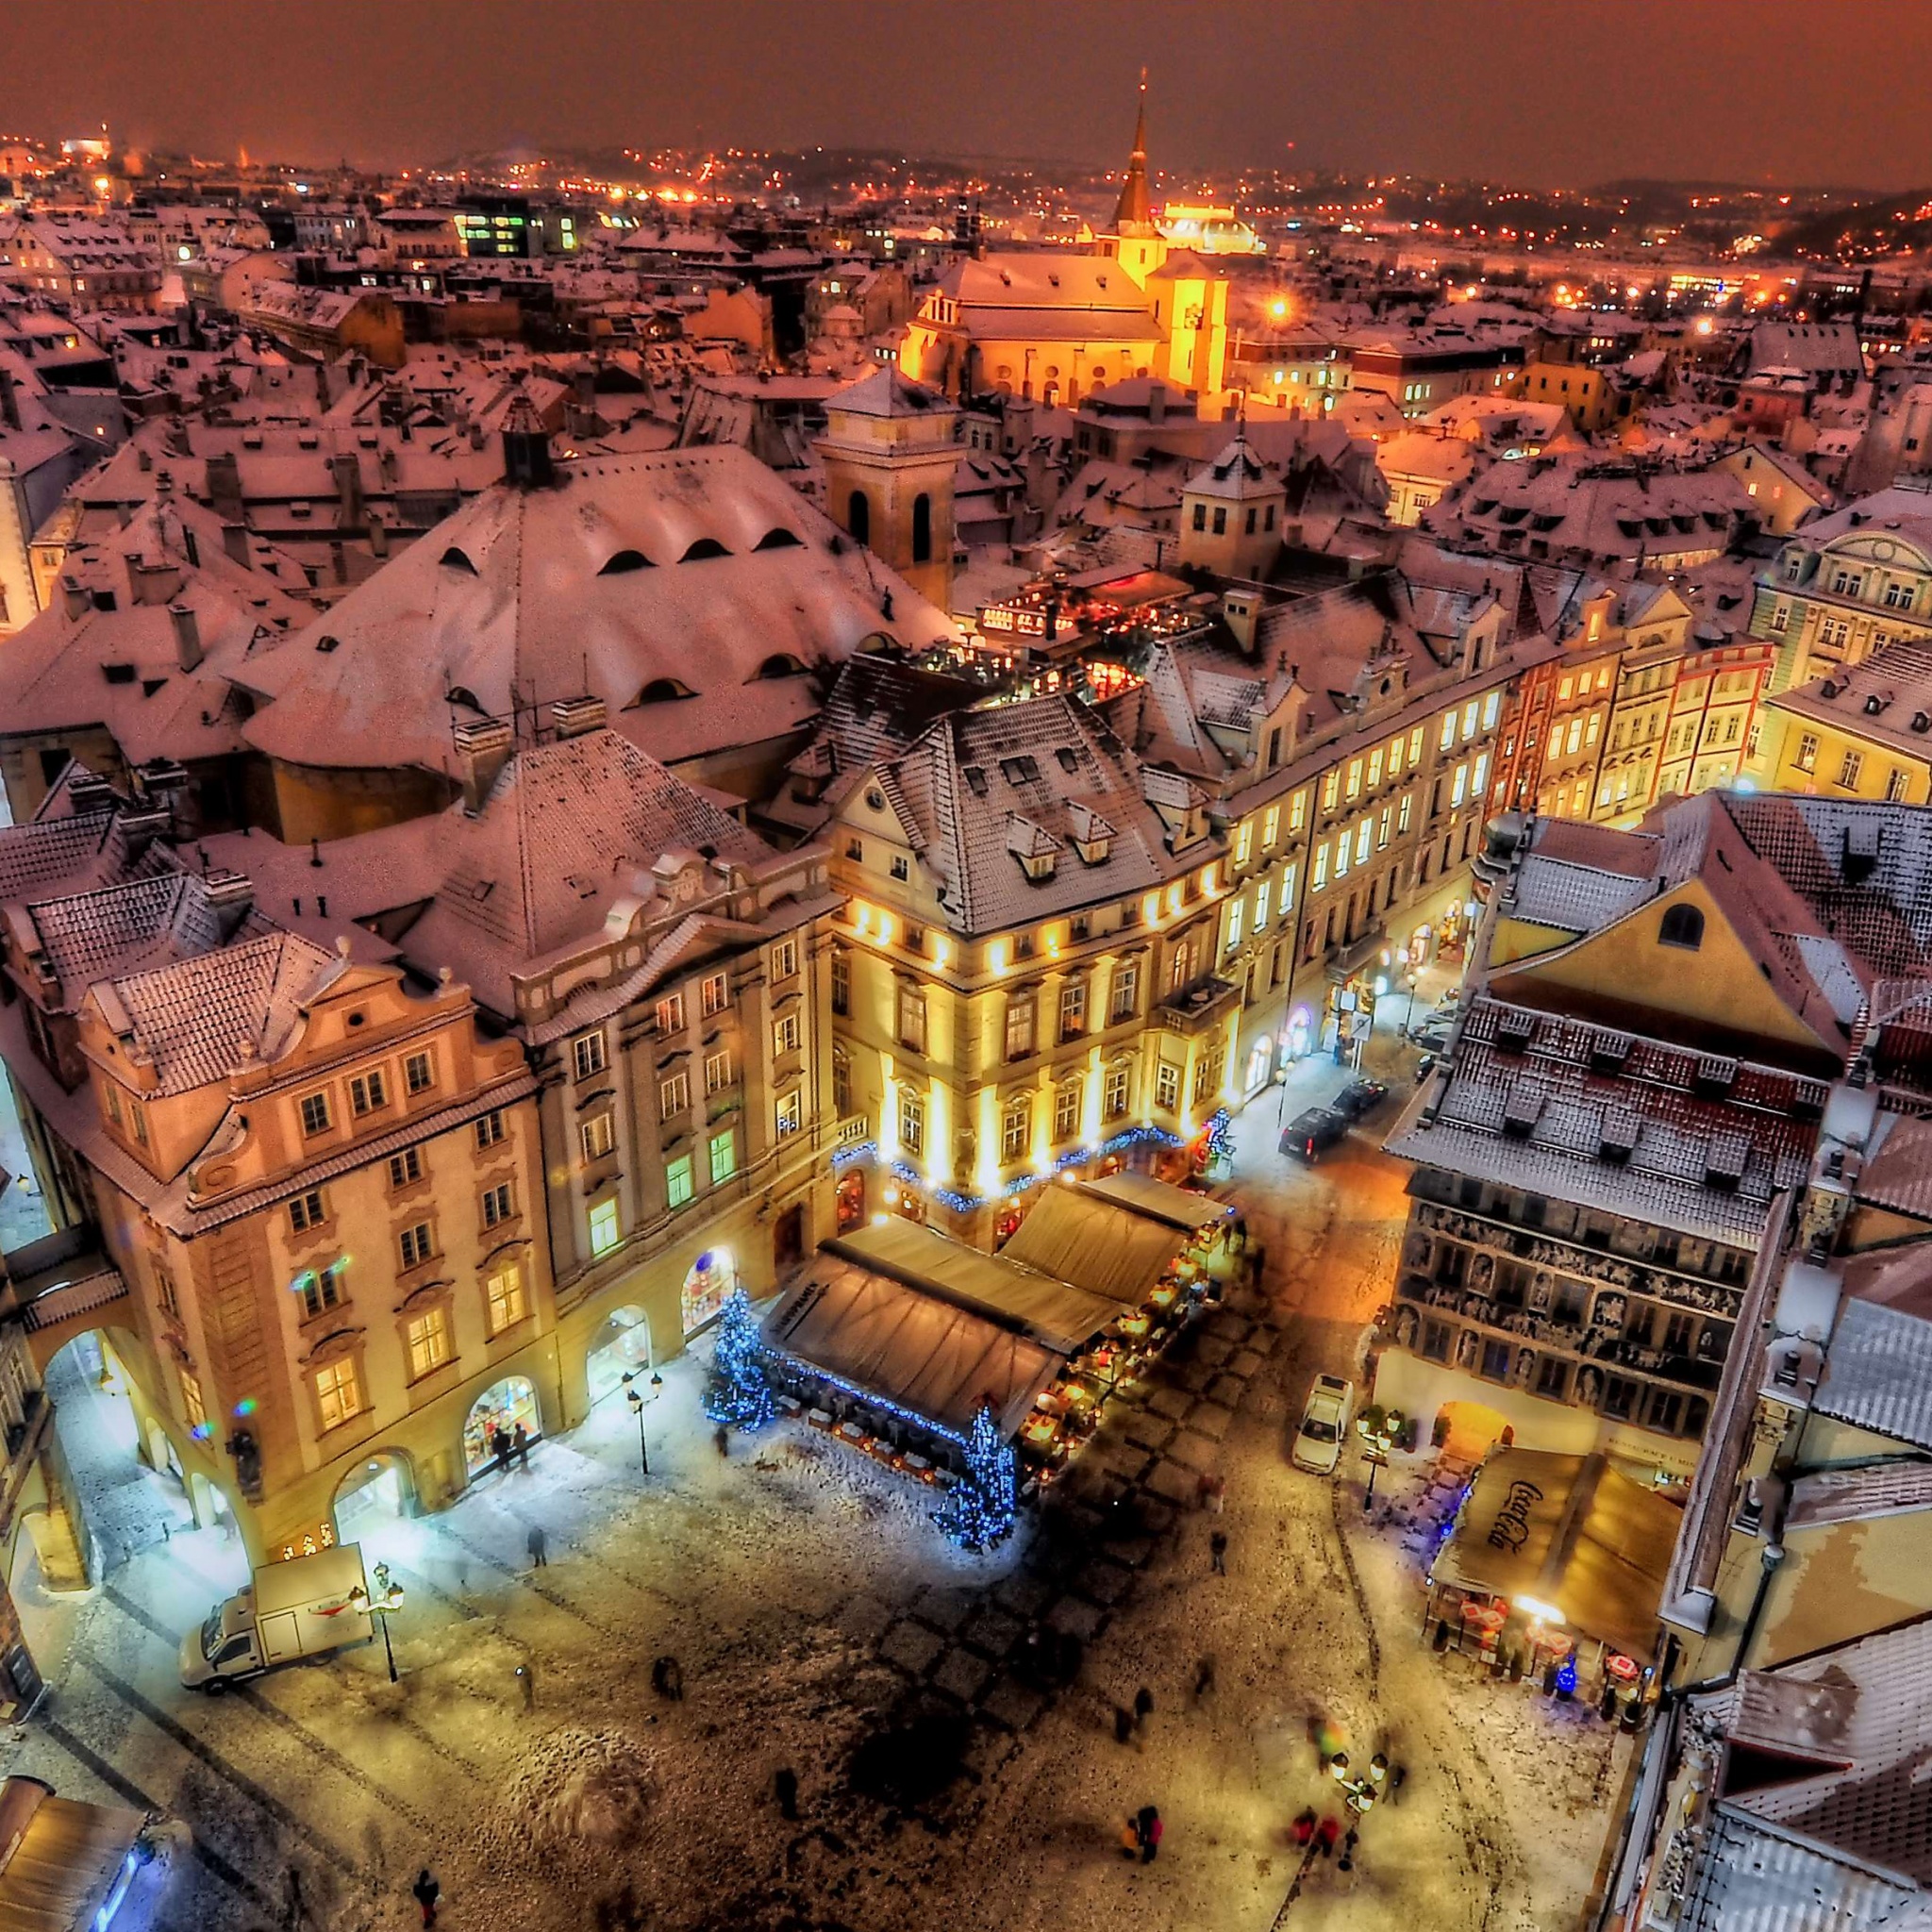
<point>1304,1827</point>
<point>1203,1488</point>
<point>1130,1838</point>
<point>1397,1777</point>
<point>490,1435</point>
<point>721,1436</point>
<point>1143,1707</point>
<point>291,1903</point>
<point>1123,1724</point>
<point>785,1787</point>
<point>1217,1489</point>
<point>1346,1862</point>
<point>520,1445</point>
<point>1204,1678</point>
<point>527,1679</point>
<point>1326,1835</point>
<point>1217,1552</point>
<point>427,1891</point>
<point>1151,1828</point>
<point>534,1542</point>
<point>503,1452</point>
<point>667,1678</point>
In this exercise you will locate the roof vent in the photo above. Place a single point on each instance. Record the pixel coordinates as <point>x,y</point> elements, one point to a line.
<point>1618,1136</point>
<point>1523,1107</point>
<point>1827,690</point>
<point>1726,1161</point>
<point>1515,1030</point>
<point>573,717</point>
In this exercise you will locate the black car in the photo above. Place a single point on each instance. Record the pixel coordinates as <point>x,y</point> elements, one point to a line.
<point>1357,1098</point>
<point>1311,1134</point>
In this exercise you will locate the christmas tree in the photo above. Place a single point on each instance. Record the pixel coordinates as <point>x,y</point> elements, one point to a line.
<point>978,1509</point>
<point>739,1394</point>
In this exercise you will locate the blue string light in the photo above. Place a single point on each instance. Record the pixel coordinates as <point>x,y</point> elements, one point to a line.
<point>843,1159</point>
<point>1566,1676</point>
<point>811,1371</point>
<point>978,1510</point>
<point>908,1175</point>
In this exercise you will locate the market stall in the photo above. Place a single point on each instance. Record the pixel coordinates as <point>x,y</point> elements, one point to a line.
<point>1554,1568</point>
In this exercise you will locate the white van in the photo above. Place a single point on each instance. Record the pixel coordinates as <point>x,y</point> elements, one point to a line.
<point>303,1607</point>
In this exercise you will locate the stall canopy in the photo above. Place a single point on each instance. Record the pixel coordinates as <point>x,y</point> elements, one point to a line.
<point>1569,1532</point>
<point>63,1861</point>
<point>1157,1200</point>
<point>1078,1236</point>
<point>1062,1316</point>
<point>919,1351</point>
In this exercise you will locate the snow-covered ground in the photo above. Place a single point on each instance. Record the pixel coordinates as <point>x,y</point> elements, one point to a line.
<point>945,1779</point>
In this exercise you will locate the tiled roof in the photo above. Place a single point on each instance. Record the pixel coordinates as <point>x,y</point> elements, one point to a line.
<point>1878,1371</point>
<point>1852,1495</point>
<point>1531,1113</point>
<point>203,1020</point>
<point>696,570</point>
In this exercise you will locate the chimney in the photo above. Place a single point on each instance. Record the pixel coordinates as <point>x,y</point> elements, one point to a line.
<point>187,635</point>
<point>573,717</point>
<point>89,794</point>
<point>235,543</point>
<point>230,898</point>
<point>378,535</point>
<point>1157,403</point>
<point>1240,609</point>
<point>348,473</point>
<point>584,377</point>
<point>75,599</point>
<point>9,401</point>
<point>483,748</point>
<point>224,482</point>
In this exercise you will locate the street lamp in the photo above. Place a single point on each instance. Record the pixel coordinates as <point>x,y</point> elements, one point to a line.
<point>637,1408</point>
<point>386,1598</point>
<point>1379,1430</point>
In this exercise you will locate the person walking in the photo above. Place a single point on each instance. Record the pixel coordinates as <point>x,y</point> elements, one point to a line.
<point>1204,1678</point>
<point>1217,1552</point>
<point>785,1787</point>
<point>1143,1707</point>
<point>526,1677</point>
<point>667,1679</point>
<point>1304,1828</point>
<point>720,1436</point>
<point>1123,1724</point>
<point>1326,1835</point>
<point>520,1445</point>
<point>534,1542</point>
<point>426,1892</point>
<point>1150,1832</point>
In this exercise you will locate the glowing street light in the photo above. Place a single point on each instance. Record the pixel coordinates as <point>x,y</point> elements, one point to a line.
<point>380,1603</point>
<point>637,1408</point>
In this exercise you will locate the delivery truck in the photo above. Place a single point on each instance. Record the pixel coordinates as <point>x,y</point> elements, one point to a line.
<point>306,1606</point>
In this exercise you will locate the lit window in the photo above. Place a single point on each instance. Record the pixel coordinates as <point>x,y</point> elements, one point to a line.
<point>427,1339</point>
<point>1167,1086</point>
<point>785,959</point>
<point>1243,840</point>
<point>911,1121</point>
<point>713,995</point>
<point>1066,1110</point>
<point>502,1290</point>
<point>596,1136</point>
<point>337,1395</point>
<point>785,1032</point>
<point>1073,1010</point>
<point>192,1407</point>
<point>1126,993</point>
<point>587,1052</point>
<point>1015,1123</point>
<point>1271,826</point>
<point>1019,1028</point>
<point>1235,910</point>
<point>671,1013</point>
<point>1117,1096</point>
<point>788,1115</point>
<point>1355,777</point>
<point>723,1155</point>
<point>1849,768</point>
<point>677,1183</point>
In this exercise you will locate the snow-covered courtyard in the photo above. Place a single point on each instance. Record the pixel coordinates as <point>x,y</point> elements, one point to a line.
<point>956,1755</point>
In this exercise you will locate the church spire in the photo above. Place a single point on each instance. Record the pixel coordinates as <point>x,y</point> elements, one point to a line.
<point>1134,213</point>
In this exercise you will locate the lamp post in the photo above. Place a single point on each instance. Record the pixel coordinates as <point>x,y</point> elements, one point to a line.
<point>386,1598</point>
<point>637,1408</point>
<point>1378,1431</point>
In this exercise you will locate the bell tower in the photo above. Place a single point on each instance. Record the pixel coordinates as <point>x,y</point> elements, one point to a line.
<point>889,460</point>
<point>1136,243</point>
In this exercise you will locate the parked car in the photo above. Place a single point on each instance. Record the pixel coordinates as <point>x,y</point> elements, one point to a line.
<point>1432,1035</point>
<point>1325,1421</point>
<point>1357,1098</point>
<point>306,1606</point>
<point>1309,1135</point>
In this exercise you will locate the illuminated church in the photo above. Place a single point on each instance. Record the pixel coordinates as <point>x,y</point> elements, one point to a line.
<point>1057,326</point>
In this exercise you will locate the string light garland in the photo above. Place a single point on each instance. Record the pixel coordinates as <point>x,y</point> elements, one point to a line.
<point>910,1176</point>
<point>978,1510</point>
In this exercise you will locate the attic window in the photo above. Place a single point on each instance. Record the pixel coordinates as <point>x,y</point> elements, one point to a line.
<point>623,561</point>
<point>326,644</point>
<point>976,781</point>
<point>660,690</point>
<point>1522,1109</point>
<point>1514,1031</point>
<point>780,538</point>
<point>1019,771</point>
<point>1724,1164</point>
<point>456,558</point>
<point>1069,758</point>
<point>463,695</point>
<point>1681,926</point>
<point>118,674</point>
<point>704,547</point>
<point>780,664</point>
<point>1617,1138</point>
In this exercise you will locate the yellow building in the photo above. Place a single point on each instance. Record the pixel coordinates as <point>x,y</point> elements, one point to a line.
<point>1024,975</point>
<point>1863,731</point>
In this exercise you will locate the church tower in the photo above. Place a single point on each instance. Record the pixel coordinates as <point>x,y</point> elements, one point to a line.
<point>889,460</point>
<point>1136,243</point>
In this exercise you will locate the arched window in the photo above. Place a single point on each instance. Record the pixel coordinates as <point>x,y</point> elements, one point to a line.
<point>1681,926</point>
<point>453,558</point>
<point>780,538</point>
<point>623,561</point>
<point>921,528</point>
<point>704,547</point>
<point>858,517</point>
<point>663,689</point>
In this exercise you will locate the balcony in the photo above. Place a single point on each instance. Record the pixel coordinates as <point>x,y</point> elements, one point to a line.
<point>1199,1008</point>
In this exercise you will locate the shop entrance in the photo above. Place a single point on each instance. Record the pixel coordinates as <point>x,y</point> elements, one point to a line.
<point>379,1492</point>
<point>620,1349</point>
<point>851,1201</point>
<point>788,1240</point>
<point>710,1283</point>
<point>1469,1430</point>
<point>497,1411</point>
